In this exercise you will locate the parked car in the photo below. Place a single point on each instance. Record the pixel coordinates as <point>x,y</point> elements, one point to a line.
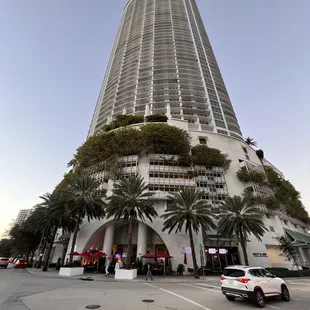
<point>20,263</point>
<point>253,284</point>
<point>4,262</point>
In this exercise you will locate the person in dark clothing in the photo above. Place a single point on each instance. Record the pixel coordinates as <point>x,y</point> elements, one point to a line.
<point>149,272</point>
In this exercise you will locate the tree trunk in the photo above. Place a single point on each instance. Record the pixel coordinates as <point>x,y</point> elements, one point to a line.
<point>28,254</point>
<point>191,240</point>
<point>76,230</point>
<point>42,251</point>
<point>129,251</point>
<point>32,255</point>
<point>49,250</point>
<point>243,245</point>
<point>37,255</point>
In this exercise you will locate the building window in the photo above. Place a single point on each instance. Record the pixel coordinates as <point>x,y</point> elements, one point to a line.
<point>247,157</point>
<point>271,228</point>
<point>245,150</point>
<point>296,226</point>
<point>285,222</point>
<point>268,216</point>
<point>170,203</point>
<point>202,140</point>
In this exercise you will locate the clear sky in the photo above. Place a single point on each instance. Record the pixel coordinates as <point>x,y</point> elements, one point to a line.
<point>53,55</point>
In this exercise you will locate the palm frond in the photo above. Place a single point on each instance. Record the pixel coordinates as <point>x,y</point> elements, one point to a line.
<point>130,199</point>
<point>239,214</point>
<point>187,209</point>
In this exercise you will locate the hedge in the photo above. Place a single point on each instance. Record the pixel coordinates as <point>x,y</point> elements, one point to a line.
<point>285,273</point>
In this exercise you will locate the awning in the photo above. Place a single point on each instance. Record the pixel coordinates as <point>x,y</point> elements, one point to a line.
<point>299,239</point>
<point>212,235</point>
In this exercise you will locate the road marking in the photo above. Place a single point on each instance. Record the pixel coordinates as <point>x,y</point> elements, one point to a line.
<point>273,307</point>
<point>202,288</point>
<point>179,296</point>
<point>205,284</point>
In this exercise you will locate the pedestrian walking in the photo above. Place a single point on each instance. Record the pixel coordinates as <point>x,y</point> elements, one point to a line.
<point>107,266</point>
<point>149,272</point>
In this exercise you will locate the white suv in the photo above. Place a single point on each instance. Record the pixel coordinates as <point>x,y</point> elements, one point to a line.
<point>252,283</point>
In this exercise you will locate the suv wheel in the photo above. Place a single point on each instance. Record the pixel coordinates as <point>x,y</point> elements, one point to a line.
<point>259,298</point>
<point>230,298</point>
<point>285,294</point>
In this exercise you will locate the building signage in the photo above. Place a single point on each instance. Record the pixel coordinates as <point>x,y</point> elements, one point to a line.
<point>222,251</point>
<point>188,250</point>
<point>212,251</point>
<point>260,254</point>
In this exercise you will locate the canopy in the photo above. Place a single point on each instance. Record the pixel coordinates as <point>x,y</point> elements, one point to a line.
<point>164,255</point>
<point>149,255</point>
<point>99,254</point>
<point>86,254</point>
<point>299,239</point>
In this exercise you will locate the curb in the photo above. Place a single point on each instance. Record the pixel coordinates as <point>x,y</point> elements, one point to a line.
<point>46,274</point>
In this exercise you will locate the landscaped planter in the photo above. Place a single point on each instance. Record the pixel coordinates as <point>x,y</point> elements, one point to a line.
<point>125,274</point>
<point>69,272</point>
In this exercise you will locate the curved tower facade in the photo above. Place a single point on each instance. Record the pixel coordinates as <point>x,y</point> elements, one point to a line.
<point>162,63</point>
<point>162,56</point>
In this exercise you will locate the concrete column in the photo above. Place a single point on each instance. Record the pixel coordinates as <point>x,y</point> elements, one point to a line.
<point>142,239</point>
<point>108,239</point>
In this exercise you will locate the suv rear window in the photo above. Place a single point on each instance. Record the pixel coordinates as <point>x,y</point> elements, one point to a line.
<point>5,259</point>
<point>235,273</point>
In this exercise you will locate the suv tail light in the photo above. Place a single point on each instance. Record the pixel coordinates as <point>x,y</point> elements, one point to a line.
<point>243,280</point>
<point>222,277</point>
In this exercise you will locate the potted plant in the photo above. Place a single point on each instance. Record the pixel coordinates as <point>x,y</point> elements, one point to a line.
<point>181,269</point>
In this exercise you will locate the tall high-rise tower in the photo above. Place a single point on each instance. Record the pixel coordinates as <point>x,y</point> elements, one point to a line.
<point>162,63</point>
<point>162,56</point>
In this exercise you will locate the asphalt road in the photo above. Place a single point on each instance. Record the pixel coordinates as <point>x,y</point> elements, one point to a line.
<point>20,290</point>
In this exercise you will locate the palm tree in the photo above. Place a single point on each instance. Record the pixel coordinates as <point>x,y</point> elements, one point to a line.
<point>83,198</point>
<point>250,141</point>
<point>37,220</point>
<point>56,216</point>
<point>188,208</point>
<point>130,201</point>
<point>242,218</point>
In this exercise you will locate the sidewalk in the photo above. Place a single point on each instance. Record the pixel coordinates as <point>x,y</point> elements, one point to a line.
<point>102,278</point>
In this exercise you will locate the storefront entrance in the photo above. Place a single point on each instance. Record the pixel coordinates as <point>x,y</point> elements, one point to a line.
<point>217,258</point>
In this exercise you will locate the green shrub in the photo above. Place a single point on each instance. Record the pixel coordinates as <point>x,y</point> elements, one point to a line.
<point>260,154</point>
<point>251,176</point>
<point>156,118</point>
<point>165,139</point>
<point>285,273</point>
<point>122,121</point>
<point>272,203</point>
<point>203,155</point>
<point>128,141</point>
<point>287,196</point>
<point>275,269</point>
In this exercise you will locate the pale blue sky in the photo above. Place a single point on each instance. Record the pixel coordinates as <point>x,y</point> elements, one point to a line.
<point>53,55</point>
